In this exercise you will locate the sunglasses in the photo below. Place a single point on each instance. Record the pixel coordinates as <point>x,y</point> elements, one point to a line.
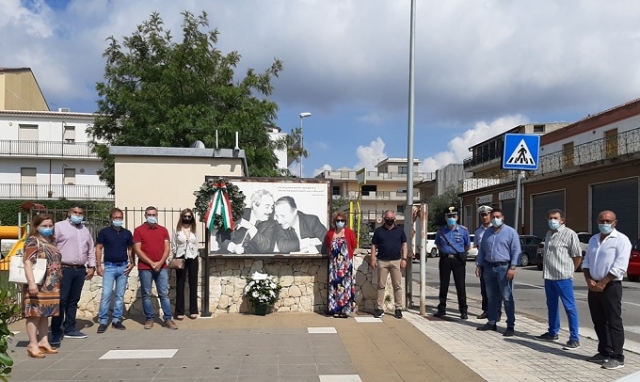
<point>340,220</point>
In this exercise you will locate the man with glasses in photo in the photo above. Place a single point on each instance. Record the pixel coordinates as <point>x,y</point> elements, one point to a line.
<point>151,245</point>
<point>604,266</point>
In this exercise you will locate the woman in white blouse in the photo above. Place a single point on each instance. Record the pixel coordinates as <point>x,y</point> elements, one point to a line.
<point>185,246</point>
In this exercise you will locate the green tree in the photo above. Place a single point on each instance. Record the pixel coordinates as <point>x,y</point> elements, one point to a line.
<point>293,144</point>
<point>158,92</point>
<point>439,205</point>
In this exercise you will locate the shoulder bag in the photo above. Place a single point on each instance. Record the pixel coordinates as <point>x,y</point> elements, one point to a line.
<point>175,262</point>
<point>461,255</point>
<point>16,269</point>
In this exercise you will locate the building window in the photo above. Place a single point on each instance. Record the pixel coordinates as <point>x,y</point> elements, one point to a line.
<point>69,176</point>
<point>335,190</point>
<point>403,169</point>
<point>28,182</point>
<point>69,135</point>
<point>28,133</point>
<point>538,129</point>
<point>367,189</point>
<point>400,209</point>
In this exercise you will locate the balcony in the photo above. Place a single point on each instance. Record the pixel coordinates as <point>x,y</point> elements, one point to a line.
<point>54,191</point>
<point>379,195</point>
<point>374,175</point>
<point>615,147</point>
<point>46,149</point>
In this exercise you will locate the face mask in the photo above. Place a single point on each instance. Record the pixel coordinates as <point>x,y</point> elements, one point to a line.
<point>186,220</point>
<point>496,222</point>
<point>45,232</point>
<point>605,228</point>
<point>75,219</point>
<point>340,224</point>
<point>451,222</point>
<point>389,221</point>
<point>117,223</point>
<point>152,219</point>
<point>554,224</point>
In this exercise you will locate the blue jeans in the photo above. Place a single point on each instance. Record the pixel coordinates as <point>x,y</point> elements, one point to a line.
<point>161,279</point>
<point>562,289</point>
<point>112,273</point>
<point>499,290</point>
<point>70,291</point>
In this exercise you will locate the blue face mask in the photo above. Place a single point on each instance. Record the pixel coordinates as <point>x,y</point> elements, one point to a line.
<point>554,224</point>
<point>152,219</point>
<point>75,219</point>
<point>45,232</point>
<point>117,223</point>
<point>605,228</point>
<point>496,222</point>
<point>451,221</point>
<point>340,224</point>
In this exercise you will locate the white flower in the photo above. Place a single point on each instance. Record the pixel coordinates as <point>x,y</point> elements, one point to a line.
<point>255,294</point>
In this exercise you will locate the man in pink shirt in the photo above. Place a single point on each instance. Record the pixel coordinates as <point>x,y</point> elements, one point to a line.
<point>78,264</point>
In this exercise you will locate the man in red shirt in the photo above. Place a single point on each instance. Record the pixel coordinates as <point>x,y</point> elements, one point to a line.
<point>151,245</point>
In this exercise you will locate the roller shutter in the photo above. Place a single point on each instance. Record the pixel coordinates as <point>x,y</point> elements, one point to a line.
<point>620,197</point>
<point>540,206</point>
<point>509,211</point>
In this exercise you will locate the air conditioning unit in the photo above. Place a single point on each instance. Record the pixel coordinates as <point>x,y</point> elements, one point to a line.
<point>64,110</point>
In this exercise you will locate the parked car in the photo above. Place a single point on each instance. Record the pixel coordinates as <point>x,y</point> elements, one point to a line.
<point>529,246</point>
<point>473,251</point>
<point>633,271</point>
<point>431,249</point>
<point>540,255</point>
<point>584,243</point>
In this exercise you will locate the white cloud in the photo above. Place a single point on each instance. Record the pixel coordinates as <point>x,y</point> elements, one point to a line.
<point>325,167</point>
<point>376,118</point>
<point>370,155</point>
<point>459,146</point>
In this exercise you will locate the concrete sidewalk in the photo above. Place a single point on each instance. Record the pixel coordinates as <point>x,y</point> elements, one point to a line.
<point>276,347</point>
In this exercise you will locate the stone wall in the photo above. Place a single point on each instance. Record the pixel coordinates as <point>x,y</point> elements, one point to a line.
<point>304,286</point>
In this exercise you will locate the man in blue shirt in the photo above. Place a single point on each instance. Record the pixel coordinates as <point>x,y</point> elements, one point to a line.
<point>116,243</point>
<point>453,242</point>
<point>496,263</point>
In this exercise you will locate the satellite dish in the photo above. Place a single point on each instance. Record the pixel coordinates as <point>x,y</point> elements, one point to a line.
<point>197,145</point>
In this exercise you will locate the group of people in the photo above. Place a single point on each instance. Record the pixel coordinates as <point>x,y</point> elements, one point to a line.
<point>72,258</point>
<point>603,265</point>
<point>272,225</point>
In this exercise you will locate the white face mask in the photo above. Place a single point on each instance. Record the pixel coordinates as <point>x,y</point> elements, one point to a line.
<point>496,222</point>
<point>340,224</point>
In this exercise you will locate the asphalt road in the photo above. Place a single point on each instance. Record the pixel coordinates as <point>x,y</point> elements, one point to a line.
<point>530,297</point>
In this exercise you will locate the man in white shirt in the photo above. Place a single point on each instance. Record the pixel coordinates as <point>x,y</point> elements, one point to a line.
<point>604,265</point>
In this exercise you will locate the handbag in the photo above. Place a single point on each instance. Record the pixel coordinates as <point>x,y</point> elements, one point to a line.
<point>176,263</point>
<point>16,270</point>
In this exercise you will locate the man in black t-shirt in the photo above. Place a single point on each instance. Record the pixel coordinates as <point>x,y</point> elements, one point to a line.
<point>389,256</point>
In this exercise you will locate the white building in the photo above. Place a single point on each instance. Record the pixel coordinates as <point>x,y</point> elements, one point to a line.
<point>47,155</point>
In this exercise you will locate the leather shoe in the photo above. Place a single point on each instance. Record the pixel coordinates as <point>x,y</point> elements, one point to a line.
<point>482,316</point>
<point>439,314</point>
<point>508,333</point>
<point>487,326</point>
<point>464,316</point>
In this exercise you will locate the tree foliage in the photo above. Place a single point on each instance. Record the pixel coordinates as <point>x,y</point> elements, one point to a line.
<point>161,93</point>
<point>439,205</point>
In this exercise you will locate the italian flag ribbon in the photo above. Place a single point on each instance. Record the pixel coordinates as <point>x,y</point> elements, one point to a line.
<point>219,205</point>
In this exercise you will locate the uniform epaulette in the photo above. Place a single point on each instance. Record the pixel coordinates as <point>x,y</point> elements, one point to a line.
<point>463,227</point>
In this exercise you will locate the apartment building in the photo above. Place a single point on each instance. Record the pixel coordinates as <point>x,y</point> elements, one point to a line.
<point>385,188</point>
<point>584,168</point>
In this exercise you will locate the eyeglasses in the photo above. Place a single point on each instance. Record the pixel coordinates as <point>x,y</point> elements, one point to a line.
<point>340,220</point>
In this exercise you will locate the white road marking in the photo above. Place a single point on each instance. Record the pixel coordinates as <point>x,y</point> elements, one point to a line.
<point>139,354</point>
<point>367,319</point>
<point>322,330</point>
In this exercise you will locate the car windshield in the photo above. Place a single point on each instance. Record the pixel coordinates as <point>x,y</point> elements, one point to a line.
<point>636,245</point>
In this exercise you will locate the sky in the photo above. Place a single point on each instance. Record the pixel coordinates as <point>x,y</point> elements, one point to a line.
<point>481,67</point>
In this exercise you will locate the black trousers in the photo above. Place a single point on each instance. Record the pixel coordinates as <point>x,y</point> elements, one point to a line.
<point>483,292</point>
<point>190,267</point>
<point>606,313</point>
<point>457,266</point>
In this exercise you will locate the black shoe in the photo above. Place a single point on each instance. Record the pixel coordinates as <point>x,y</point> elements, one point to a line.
<point>118,325</point>
<point>483,316</point>
<point>378,313</point>
<point>487,326</point>
<point>102,328</point>
<point>464,316</point>
<point>508,333</point>
<point>398,313</point>
<point>547,337</point>
<point>440,313</point>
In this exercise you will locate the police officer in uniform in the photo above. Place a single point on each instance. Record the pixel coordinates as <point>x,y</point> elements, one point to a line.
<point>453,242</point>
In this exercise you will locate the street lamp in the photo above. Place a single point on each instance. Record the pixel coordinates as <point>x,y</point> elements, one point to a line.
<point>302,115</point>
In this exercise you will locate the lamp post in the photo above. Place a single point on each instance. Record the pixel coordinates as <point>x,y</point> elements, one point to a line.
<point>302,115</point>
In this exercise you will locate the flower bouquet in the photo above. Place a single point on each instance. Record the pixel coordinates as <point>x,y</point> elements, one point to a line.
<point>262,290</point>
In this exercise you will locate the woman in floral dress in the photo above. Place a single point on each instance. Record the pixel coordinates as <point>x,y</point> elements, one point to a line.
<point>41,301</point>
<point>341,242</point>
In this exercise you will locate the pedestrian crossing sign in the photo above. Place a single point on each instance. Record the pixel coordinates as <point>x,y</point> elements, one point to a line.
<point>521,152</point>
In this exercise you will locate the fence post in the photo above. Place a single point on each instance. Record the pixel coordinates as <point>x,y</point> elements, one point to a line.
<point>205,275</point>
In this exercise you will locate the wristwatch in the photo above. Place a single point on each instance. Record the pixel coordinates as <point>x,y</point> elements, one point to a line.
<point>513,267</point>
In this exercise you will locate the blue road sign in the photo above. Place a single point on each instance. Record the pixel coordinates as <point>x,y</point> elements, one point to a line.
<point>521,152</point>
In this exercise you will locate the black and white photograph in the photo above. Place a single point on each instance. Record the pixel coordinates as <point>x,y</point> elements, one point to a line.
<point>288,216</point>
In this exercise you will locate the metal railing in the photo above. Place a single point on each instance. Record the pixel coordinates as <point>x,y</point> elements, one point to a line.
<point>483,158</point>
<point>377,195</point>
<point>488,179</point>
<point>625,143</point>
<point>55,191</point>
<point>46,148</point>
<point>374,175</point>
